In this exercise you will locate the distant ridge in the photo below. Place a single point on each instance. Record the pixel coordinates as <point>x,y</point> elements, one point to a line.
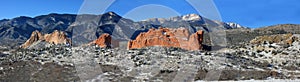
<point>289,28</point>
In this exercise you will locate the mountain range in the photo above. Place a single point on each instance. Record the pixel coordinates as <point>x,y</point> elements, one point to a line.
<point>85,28</point>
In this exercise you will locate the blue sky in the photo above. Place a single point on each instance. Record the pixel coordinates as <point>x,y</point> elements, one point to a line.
<point>251,13</point>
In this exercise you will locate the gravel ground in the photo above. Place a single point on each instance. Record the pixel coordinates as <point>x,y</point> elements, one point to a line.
<point>90,63</point>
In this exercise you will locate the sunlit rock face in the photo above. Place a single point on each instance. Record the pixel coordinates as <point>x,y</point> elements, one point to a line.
<point>165,37</point>
<point>279,38</point>
<point>103,41</point>
<point>35,36</point>
<point>57,37</point>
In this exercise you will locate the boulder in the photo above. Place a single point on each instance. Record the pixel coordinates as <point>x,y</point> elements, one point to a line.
<point>166,37</point>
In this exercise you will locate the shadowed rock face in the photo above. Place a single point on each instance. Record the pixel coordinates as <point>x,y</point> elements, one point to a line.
<point>166,37</point>
<point>57,37</point>
<point>103,41</point>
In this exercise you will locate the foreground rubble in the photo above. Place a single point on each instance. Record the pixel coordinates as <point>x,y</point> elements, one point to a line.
<point>92,63</point>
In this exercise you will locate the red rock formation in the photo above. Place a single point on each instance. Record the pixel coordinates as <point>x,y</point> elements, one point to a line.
<point>195,41</point>
<point>35,36</point>
<point>103,41</point>
<point>165,37</point>
<point>57,37</point>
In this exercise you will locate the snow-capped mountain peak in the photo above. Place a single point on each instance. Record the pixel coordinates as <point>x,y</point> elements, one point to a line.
<point>234,25</point>
<point>191,17</point>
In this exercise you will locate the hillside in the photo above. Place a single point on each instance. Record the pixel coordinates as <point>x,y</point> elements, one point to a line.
<point>237,36</point>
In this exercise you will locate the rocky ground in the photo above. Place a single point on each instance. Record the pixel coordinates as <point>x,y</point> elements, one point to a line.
<point>91,63</point>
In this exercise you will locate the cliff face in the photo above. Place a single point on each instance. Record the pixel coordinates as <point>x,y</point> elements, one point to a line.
<point>103,41</point>
<point>166,37</point>
<point>57,37</point>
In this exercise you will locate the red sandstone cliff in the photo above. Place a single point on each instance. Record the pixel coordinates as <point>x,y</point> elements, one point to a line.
<point>57,37</point>
<point>165,37</point>
<point>103,41</point>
